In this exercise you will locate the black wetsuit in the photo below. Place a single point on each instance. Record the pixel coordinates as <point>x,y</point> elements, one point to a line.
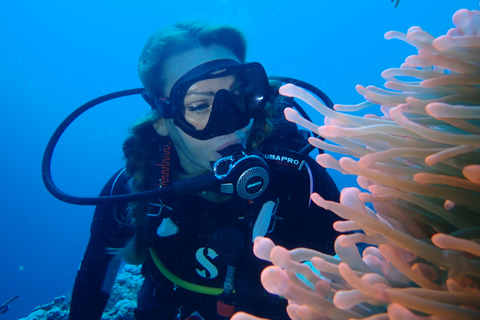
<point>196,240</point>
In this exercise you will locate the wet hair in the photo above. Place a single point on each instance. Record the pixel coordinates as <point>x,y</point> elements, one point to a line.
<point>142,149</point>
<point>181,37</point>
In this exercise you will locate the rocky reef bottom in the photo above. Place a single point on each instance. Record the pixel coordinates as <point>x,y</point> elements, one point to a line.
<point>123,299</point>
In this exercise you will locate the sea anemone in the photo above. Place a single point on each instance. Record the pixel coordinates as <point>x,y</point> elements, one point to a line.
<point>419,165</point>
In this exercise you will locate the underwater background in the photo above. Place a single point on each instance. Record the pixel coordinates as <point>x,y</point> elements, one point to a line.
<point>57,55</point>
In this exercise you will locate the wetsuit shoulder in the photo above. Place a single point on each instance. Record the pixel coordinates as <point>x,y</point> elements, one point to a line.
<point>110,229</point>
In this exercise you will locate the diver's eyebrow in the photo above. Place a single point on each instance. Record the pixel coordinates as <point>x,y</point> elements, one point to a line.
<point>202,93</point>
<point>234,85</point>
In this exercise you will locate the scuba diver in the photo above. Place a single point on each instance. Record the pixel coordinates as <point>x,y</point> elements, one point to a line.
<point>5,306</point>
<point>211,112</point>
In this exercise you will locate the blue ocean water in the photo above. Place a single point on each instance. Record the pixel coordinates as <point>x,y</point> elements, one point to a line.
<point>56,55</point>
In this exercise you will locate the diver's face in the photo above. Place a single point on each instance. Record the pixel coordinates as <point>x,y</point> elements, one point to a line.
<point>196,155</point>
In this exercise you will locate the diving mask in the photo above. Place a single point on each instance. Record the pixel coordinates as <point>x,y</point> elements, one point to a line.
<point>215,98</point>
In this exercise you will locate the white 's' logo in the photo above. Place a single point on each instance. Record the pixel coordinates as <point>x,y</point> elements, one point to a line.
<point>206,263</point>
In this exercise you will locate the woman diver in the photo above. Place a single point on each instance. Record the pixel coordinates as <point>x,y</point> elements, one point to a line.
<point>208,105</point>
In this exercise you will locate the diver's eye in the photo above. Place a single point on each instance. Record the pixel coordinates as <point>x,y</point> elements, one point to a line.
<point>199,108</point>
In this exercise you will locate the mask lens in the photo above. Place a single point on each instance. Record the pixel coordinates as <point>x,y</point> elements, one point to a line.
<point>203,113</point>
<point>199,99</point>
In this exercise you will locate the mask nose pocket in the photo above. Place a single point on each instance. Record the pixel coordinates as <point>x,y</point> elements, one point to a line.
<point>227,116</point>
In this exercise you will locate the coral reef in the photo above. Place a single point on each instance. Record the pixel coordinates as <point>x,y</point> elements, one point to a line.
<point>123,300</point>
<point>420,162</point>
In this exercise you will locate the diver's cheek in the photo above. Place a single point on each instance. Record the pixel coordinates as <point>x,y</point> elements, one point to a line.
<point>245,132</point>
<point>206,154</point>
